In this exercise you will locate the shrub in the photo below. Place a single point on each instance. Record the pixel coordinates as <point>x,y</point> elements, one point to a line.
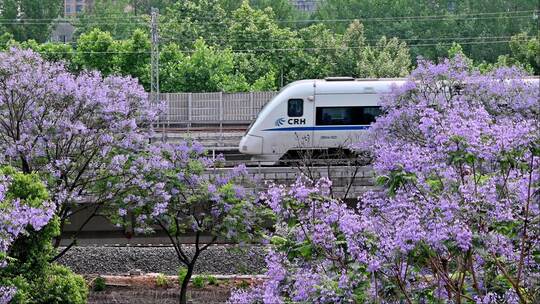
<point>99,284</point>
<point>162,281</point>
<point>61,285</point>
<point>198,281</point>
<point>243,284</point>
<point>211,280</point>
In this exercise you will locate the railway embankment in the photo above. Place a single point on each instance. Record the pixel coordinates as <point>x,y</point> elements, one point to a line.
<point>122,260</point>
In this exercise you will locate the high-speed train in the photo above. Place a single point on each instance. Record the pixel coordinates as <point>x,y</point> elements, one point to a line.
<point>314,114</point>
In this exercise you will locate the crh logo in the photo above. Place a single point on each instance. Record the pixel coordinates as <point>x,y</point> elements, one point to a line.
<point>280,121</point>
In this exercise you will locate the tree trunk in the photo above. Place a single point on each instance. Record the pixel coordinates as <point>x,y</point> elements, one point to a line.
<point>185,282</point>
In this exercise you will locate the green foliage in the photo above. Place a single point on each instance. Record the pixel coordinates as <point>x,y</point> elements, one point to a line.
<point>388,58</point>
<point>205,70</point>
<point>433,35</point>
<point>41,13</point>
<point>133,57</point>
<point>96,51</point>
<point>116,17</point>
<point>231,46</point>
<point>99,284</point>
<point>6,39</point>
<point>198,281</point>
<point>395,180</point>
<point>57,285</point>
<point>243,284</point>
<point>29,269</point>
<point>60,285</point>
<point>182,273</point>
<point>162,281</point>
<point>185,22</point>
<point>526,51</point>
<point>25,186</point>
<point>211,280</point>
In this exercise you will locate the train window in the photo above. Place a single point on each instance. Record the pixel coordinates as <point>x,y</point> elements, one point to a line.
<point>295,108</point>
<point>346,115</point>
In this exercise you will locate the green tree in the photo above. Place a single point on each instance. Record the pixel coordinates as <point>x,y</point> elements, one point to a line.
<point>388,58</point>
<point>133,57</point>
<point>205,70</point>
<point>526,50</point>
<point>317,55</point>
<point>29,19</point>
<point>51,51</point>
<point>261,47</point>
<point>484,67</point>
<point>458,21</point>
<point>116,17</point>
<point>96,50</point>
<point>6,39</point>
<point>186,21</point>
<point>283,10</point>
<point>141,7</point>
<point>353,44</point>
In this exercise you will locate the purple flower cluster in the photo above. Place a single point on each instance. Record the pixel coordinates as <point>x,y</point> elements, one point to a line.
<point>75,130</point>
<point>6,294</point>
<point>457,154</point>
<point>311,259</point>
<point>171,185</point>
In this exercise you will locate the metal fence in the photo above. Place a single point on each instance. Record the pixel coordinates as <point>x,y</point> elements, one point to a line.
<point>212,108</point>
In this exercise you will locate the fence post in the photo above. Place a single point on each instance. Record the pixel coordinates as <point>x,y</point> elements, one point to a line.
<point>168,110</point>
<point>220,118</point>
<point>251,107</point>
<point>189,109</point>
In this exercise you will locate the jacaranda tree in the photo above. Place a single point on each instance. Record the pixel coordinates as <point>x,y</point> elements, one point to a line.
<point>67,128</point>
<point>177,189</point>
<point>456,219</point>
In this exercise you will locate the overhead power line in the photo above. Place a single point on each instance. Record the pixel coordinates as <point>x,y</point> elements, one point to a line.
<point>224,40</point>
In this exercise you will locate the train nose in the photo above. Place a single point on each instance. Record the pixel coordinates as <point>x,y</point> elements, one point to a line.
<point>251,144</point>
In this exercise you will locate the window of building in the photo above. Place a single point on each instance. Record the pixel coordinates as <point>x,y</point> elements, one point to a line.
<point>295,107</point>
<point>346,115</point>
<point>68,9</point>
<point>79,8</point>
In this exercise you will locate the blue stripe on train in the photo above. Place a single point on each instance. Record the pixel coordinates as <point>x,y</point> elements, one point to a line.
<point>320,128</point>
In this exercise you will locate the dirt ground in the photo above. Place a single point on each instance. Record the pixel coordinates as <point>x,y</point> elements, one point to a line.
<point>143,290</point>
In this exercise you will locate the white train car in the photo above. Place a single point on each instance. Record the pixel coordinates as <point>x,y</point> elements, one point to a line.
<point>314,114</point>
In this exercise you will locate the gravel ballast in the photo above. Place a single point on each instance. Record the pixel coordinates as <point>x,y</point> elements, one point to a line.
<point>218,259</point>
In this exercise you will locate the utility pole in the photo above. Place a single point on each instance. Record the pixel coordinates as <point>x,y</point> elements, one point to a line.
<point>154,78</point>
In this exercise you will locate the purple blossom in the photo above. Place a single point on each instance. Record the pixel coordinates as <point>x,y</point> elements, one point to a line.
<point>457,155</point>
<point>6,293</point>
